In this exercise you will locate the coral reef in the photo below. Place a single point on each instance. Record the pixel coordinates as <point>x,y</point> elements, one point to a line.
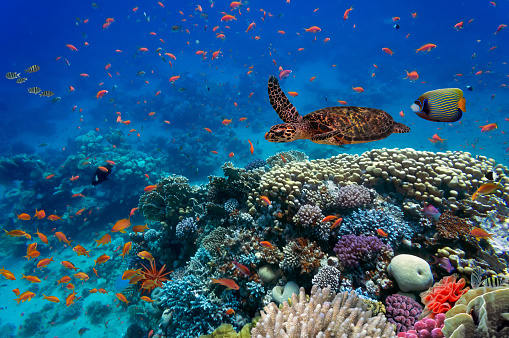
<point>441,297</point>
<point>353,196</point>
<point>324,314</point>
<point>481,312</point>
<point>402,311</point>
<point>426,328</point>
<point>352,249</point>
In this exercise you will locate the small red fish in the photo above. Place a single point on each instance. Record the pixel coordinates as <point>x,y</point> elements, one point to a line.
<point>381,233</point>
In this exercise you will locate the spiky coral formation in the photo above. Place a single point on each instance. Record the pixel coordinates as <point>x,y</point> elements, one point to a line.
<point>324,314</point>
<point>441,297</point>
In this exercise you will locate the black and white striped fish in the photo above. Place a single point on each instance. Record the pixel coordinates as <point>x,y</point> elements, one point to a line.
<point>12,75</point>
<point>47,93</point>
<point>32,69</point>
<point>21,80</point>
<point>492,282</point>
<point>476,277</point>
<point>34,90</point>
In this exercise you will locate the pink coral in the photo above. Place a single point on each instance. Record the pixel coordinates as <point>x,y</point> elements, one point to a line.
<point>441,297</point>
<point>426,328</point>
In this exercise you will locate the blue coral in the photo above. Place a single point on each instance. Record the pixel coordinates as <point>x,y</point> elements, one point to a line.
<point>255,289</point>
<point>196,310</point>
<point>389,218</point>
<point>258,163</point>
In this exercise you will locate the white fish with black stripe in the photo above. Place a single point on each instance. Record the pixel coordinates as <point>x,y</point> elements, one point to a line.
<point>12,75</point>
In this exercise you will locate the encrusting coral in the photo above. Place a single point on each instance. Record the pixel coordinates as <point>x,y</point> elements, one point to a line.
<point>324,314</point>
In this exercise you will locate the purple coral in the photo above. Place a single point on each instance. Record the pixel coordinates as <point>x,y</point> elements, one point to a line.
<point>402,311</point>
<point>352,249</point>
<point>426,328</point>
<point>352,196</point>
<point>186,228</point>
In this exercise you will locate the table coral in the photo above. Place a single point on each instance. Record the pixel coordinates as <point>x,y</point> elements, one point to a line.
<point>441,297</point>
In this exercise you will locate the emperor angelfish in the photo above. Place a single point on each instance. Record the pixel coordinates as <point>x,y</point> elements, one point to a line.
<point>441,105</point>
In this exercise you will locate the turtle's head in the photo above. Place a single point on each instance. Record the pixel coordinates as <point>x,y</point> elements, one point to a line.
<point>285,132</point>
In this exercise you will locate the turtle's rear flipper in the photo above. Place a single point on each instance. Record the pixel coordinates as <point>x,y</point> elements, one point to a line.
<point>283,107</point>
<point>400,128</point>
<point>329,138</point>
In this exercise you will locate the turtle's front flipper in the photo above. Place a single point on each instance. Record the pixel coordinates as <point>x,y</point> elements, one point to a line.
<point>329,138</point>
<point>283,107</point>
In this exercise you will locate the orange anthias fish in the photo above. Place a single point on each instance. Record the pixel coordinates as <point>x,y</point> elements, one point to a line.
<point>122,298</point>
<point>17,233</point>
<point>146,255</point>
<point>347,13</point>
<point>27,295</point>
<point>388,51</point>
<point>425,48</point>
<point>242,268</point>
<point>7,274</point>
<point>435,139</point>
<point>412,76</point>
<point>265,200</point>
<point>69,265</point>
<point>140,228</point>
<point>251,148</point>
<point>52,299</point>
<point>32,279</point>
<point>102,259</point>
<point>61,237</point>
<point>128,274</point>
<point>126,249</point>
<point>81,276</point>
<point>479,233</point>
<point>65,279</point>
<point>336,223</point>
<point>358,89</point>
<point>81,251</point>
<point>488,127</point>
<point>24,217</point>
<point>44,262</point>
<point>104,240</point>
<point>266,244</point>
<point>40,214</point>
<point>147,299</point>
<point>329,218</point>
<point>150,188</point>
<point>121,225</point>
<point>382,233</point>
<point>54,217</point>
<point>485,189</point>
<point>229,283</point>
<point>226,122</point>
<point>70,298</point>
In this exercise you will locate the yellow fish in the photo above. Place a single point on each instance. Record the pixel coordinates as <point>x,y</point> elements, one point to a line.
<point>440,105</point>
<point>485,189</point>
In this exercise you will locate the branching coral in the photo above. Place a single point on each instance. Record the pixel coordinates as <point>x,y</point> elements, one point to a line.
<point>301,253</point>
<point>308,215</point>
<point>324,314</point>
<point>328,276</point>
<point>352,196</point>
<point>352,250</point>
<point>441,297</point>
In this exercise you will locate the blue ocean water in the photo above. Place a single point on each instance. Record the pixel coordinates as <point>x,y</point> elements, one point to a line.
<point>152,127</point>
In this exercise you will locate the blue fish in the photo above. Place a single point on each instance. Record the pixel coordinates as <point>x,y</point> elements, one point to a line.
<point>441,105</point>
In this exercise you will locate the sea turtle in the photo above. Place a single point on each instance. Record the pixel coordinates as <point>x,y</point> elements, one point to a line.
<point>333,125</point>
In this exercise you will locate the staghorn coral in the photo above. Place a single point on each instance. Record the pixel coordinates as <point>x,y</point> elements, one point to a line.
<point>301,253</point>
<point>324,314</point>
<point>481,312</point>
<point>352,196</point>
<point>402,311</point>
<point>452,227</point>
<point>441,297</point>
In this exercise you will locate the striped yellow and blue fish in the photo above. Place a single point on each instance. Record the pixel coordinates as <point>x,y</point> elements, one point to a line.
<point>441,105</point>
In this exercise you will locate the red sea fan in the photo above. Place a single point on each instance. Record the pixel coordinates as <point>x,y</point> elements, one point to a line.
<point>441,297</point>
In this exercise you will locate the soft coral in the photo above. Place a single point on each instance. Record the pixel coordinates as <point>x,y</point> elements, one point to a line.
<point>441,297</point>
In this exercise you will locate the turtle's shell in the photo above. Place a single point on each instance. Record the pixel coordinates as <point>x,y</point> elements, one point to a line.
<point>354,124</point>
